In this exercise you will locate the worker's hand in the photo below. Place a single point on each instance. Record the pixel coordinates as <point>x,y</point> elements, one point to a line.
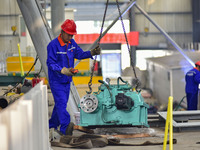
<point>67,71</point>
<point>74,71</point>
<point>96,50</point>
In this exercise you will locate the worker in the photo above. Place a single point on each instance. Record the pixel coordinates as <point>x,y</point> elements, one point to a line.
<point>192,79</point>
<point>60,61</point>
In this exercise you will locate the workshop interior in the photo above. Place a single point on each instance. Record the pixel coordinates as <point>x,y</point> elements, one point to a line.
<point>134,89</point>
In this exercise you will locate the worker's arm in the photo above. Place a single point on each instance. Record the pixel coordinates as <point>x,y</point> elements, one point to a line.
<point>197,77</point>
<point>51,59</point>
<point>79,53</point>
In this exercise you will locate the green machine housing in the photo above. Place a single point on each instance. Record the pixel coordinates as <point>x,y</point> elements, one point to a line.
<point>113,105</point>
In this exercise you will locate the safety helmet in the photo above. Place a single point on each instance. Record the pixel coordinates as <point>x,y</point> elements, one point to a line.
<point>197,63</point>
<point>69,27</point>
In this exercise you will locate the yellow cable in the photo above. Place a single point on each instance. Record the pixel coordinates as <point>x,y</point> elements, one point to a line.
<point>166,129</point>
<point>20,59</point>
<point>168,125</point>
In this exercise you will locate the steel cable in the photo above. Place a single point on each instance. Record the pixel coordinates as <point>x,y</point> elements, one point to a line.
<point>99,39</point>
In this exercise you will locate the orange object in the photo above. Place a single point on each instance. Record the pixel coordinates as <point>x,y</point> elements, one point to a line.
<point>74,71</point>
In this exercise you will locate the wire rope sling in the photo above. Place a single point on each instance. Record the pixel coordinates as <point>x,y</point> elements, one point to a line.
<point>137,82</point>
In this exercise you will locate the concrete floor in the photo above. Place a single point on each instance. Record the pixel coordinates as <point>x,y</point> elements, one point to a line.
<point>185,141</point>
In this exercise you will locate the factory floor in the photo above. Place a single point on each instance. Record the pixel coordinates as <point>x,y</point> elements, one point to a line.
<point>185,141</point>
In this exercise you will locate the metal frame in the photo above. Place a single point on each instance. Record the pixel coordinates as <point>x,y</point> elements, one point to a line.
<point>181,119</point>
<point>165,34</point>
<point>109,27</point>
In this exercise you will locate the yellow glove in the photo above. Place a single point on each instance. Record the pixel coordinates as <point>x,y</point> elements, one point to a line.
<point>66,71</point>
<point>96,50</point>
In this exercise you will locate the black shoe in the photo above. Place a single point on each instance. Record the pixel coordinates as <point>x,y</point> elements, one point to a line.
<point>70,128</point>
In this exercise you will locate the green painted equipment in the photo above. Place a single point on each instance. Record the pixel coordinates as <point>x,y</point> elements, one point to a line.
<point>113,105</point>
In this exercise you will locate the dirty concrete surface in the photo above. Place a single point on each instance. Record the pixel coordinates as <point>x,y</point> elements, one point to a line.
<point>185,141</point>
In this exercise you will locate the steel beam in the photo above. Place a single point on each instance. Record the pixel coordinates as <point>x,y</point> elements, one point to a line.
<point>132,28</point>
<point>181,118</point>
<point>165,34</point>
<point>109,27</point>
<point>41,35</point>
<point>57,15</point>
<point>196,20</point>
<point>38,28</point>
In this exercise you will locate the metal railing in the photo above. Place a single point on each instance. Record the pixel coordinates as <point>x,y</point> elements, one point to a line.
<point>24,124</point>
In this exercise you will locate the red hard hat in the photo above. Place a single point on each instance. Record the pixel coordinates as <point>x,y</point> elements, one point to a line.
<point>69,27</point>
<point>197,63</point>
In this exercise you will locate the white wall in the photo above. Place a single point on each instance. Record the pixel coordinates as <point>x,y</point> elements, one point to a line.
<point>173,22</point>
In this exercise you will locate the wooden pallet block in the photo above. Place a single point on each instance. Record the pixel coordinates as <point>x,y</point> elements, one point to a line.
<point>124,136</point>
<point>120,136</point>
<point>80,128</point>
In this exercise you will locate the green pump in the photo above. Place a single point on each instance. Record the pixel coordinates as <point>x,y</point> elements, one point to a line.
<point>113,105</point>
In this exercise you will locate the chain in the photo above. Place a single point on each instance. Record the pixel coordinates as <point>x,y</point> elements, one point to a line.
<point>91,76</point>
<point>120,14</point>
<point>99,39</point>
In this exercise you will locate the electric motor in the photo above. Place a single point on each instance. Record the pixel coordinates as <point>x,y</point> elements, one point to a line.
<point>123,102</point>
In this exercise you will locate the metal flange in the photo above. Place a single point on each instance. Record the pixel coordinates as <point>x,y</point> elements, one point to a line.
<point>89,103</point>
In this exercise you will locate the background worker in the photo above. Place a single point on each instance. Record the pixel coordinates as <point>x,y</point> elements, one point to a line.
<point>60,60</point>
<point>192,79</point>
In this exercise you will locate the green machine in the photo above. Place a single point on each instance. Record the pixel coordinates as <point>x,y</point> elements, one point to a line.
<point>113,105</point>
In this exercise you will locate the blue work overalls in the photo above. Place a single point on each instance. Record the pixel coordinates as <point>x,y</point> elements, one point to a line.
<point>192,79</point>
<point>60,55</point>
